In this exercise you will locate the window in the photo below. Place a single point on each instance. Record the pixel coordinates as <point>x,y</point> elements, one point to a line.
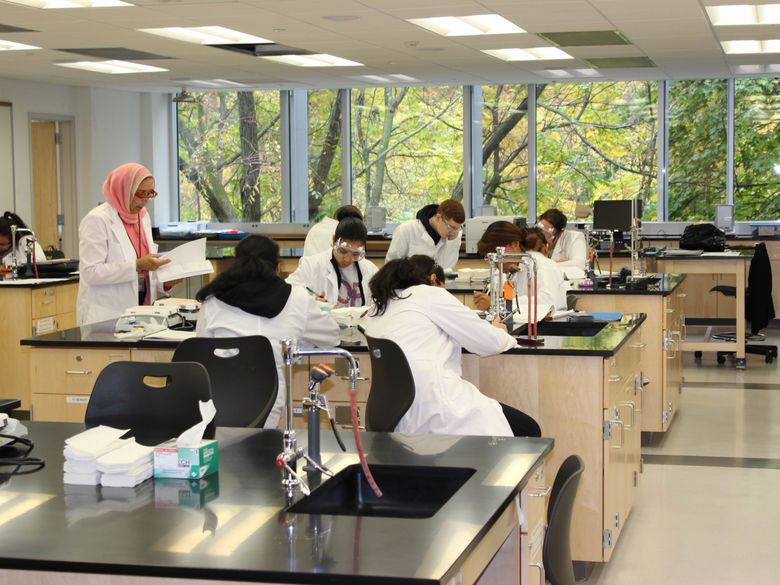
<point>756,149</point>
<point>505,148</point>
<point>407,145</point>
<point>229,157</point>
<point>596,141</point>
<point>325,146</point>
<point>697,154</point>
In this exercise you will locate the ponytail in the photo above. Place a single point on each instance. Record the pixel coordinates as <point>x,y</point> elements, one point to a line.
<point>394,276</point>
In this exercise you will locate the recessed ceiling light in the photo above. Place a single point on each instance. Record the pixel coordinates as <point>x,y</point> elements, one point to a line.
<point>462,26</point>
<point>70,3</point>
<point>744,14</point>
<point>209,82</point>
<point>535,54</point>
<point>748,47</point>
<point>568,73</point>
<point>319,60</point>
<point>113,67</point>
<point>391,78</point>
<point>205,35</point>
<point>12,46</point>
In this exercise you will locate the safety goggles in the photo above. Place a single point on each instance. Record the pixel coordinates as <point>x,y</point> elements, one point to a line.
<point>453,229</point>
<point>344,250</point>
<point>151,194</point>
<point>549,232</point>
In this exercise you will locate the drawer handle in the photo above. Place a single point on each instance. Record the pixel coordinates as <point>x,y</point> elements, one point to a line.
<point>640,345</point>
<point>546,491</point>
<point>670,310</point>
<point>541,571</point>
<point>79,372</point>
<point>615,378</point>
<point>49,302</point>
<point>683,295</point>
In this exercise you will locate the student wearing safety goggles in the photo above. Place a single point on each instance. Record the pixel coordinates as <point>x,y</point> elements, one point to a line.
<point>436,232</point>
<point>339,275</point>
<point>567,247</point>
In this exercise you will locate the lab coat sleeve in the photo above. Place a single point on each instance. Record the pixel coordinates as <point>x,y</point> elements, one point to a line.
<point>320,329</point>
<point>399,244</point>
<point>94,265</point>
<point>303,274</point>
<point>450,253</point>
<point>467,329</point>
<point>575,251</point>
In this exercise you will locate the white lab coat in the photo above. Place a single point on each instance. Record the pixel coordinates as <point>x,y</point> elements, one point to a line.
<point>550,286</point>
<point>301,319</point>
<point>108,281</point>
<point>431,326</point>
<point>411,238</point>
<point>320,237</point>
<point>317,272</point>
<point>21,252</point>
<point>571,246</point>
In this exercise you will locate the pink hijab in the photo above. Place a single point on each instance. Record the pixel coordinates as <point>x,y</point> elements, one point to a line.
<point>120,187</point>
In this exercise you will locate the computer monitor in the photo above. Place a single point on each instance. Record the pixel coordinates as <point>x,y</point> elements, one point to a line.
<point>612,215</point>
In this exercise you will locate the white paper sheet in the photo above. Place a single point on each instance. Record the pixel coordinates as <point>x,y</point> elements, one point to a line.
<point>186,260</point>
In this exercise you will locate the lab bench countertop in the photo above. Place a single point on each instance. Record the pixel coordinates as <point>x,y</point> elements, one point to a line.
<point>605,342</point>
<point>233,526</point>
<point>665,285</point>
<point>37,282</point>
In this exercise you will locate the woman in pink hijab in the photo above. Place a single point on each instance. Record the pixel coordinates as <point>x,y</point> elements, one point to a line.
<point>117,257</point>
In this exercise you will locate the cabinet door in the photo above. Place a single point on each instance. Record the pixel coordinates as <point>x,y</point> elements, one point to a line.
<point>44,302</point>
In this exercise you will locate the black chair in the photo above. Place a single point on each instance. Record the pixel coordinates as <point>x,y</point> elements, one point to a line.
<point>759,308</point>
<point>392,385</point>
<point>556,553</point>
<point>244,379</point>
<point>127,395</point>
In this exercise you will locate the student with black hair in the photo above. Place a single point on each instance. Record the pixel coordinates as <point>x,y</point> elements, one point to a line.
<point>567,247</point>
<point>249,298</point>
<point>339,275</point>
<point>431,327</point>
<point>22,239</point>
<point>320,235</point>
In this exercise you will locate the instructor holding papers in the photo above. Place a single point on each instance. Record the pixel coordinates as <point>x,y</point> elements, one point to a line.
<point>117,257</point>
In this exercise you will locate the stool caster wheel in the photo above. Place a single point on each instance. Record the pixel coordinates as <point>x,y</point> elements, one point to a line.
<point>697,355</point>
<point>721,359</point>
<point>741,363</point>
<point>768,359</point>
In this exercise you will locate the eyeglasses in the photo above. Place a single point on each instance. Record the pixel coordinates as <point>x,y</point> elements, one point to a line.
<point>344,250</point>
<point>548,231</point>
<point>451,229</point>
<point>151,194</point>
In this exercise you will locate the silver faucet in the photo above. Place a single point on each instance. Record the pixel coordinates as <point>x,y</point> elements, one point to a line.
<point>30,245</point>
<point>287,460</point>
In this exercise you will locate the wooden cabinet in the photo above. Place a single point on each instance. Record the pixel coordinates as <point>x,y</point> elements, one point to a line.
<point>26,310</point>
<point>535,498</point>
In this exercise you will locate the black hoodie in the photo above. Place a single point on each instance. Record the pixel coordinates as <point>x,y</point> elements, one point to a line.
<point>425,215</point>
<point>264,298</point>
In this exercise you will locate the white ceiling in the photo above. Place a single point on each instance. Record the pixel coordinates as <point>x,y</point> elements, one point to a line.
<point>675,34</point>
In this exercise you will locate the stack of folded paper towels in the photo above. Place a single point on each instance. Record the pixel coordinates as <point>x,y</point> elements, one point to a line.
<point>99,457</point>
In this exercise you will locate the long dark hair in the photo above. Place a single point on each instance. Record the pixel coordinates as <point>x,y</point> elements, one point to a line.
<point>428,267</point>
<point>9,219</point>
<point>256,259</point>
<point>396,275</point>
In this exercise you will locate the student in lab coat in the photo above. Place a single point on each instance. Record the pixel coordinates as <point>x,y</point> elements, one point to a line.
<point>320,236</point>
<point>567,247</point>
<point>436,232</point>
<point>117,257</point>
<point>249,298</point>
<point>550,287</point>
<point>22,239</point>
<point>340,274</point>
<point>431,326</point>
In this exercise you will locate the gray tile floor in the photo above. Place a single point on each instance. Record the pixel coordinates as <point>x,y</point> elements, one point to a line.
<point>707,511</point>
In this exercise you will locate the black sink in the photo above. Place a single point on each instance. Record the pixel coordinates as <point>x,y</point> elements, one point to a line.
<point>563,329</point>
<point>407,491</point>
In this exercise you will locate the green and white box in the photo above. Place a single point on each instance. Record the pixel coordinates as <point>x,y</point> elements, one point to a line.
<point>186,462</point>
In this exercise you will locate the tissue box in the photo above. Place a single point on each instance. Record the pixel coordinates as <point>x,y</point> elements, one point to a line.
<point>186,462</point>
<point>186,493</point>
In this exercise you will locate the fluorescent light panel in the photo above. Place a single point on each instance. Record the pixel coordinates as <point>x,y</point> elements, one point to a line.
<point>210,82</point>
<point>319,60</point>
<point>751,47</point>
<point>205,35</point>
<point>392,78</point>
<point>463,26</point>
<point>12,46</point>
<point>744,14</point>
<point>569,73</point>
<point>757,69</point>
<point>54,4</point>
<point>112,67</point>
<point>535,54</point>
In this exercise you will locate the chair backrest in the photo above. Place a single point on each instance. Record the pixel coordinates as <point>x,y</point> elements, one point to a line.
<point>126,395</point>
<point>244,379</point>
<point>392,385</point>
<point>557,545</point>
<point>759,308</point>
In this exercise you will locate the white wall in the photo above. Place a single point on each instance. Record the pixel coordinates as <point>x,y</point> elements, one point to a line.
<point>112,127</point>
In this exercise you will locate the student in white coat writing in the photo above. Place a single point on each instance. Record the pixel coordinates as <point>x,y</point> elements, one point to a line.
<point>567,247</point>
<point>117,257</point>
<point>550,285</point>
<point>249,298</point>
<point>320,235</point>
<point>431,327</point>
<point>339,276</point>
<point>436,232</point>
